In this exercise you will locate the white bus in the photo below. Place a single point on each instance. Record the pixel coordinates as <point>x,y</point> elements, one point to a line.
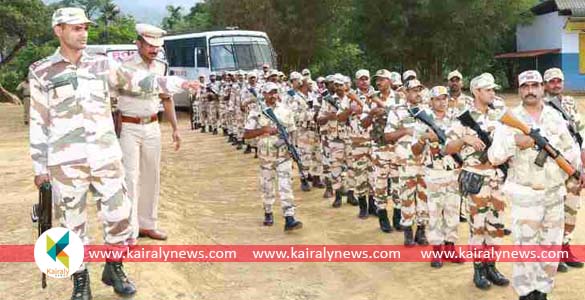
<point>194,54</point>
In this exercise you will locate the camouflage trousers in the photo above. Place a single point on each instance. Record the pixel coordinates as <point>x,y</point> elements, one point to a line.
<point>213,113</point>
<point>204,112</point>
<point>348,176</point>
<point>277,172</point>
<point>486,213</point>
<point>196,112</point>
<point>443,205</point>
<point>317,155</point>
<point>413,197</point>
<point>325,155</point>
<point>384,168</point>
<point>360,169</point>
<point>572,205</point>
<point>71,185</point>
<point>335,155</point>
<point>239,125</point>
<point>305,140</point>
<point>537,219</point>
<point>223,114</point>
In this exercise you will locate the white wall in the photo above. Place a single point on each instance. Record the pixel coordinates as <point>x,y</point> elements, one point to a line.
<point>545,32</point>
<point>570,42</point>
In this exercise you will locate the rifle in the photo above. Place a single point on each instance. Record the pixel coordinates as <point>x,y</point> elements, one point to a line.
<point>422,116</point>
<point>42,214</point>
<point>468,121</point>
<point>554,103</point>
<point>542,143</point>
<point>282,133</point>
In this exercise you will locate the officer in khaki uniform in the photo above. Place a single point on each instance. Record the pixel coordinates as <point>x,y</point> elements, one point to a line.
<point>140,134</point>
<point>275,160</point>
<point>536,193</point>
<point>554,86</point>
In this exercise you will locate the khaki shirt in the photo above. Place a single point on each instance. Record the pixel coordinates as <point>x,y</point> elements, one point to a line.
<point>269,146</point>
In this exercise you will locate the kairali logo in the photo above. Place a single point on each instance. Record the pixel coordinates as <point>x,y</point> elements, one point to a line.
<point>59,252</point>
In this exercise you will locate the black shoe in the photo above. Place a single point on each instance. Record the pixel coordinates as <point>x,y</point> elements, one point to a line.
<point>255,152</point>
<point>571,261</point>
<point>420,236</point>
<point>235,142</point>
<point>248,149</point>
<point>81,286</point>
<point>305,187</point>
<point>462,219</point>
<point>268,219</point>
<point>240,145</point>
<point>408,238</point>
<point>562,267</point>
<point>203,129</point>
<point>310,177</point>
<point>328,190</point>
<point>115,276</point>
<point>351,198</point>
<point>507,231</point>
<point>292,224</point>
<point>455,258</point>
<point>337,202</point>
<point>538,295</point>
<point>317,183</point>
<point>210,129</point>
<point>479,277</point>
<point>225,131</point>
<point>383,220</point>
<point>214,131</point>
<point>363,204</point>
<point>372,206</point>
<point>437,262</point>
<point>493,275</point>
<point>396,217</point>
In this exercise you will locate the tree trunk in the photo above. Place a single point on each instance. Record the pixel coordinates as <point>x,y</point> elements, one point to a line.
<point>6,96</point>
<point>21,43</point>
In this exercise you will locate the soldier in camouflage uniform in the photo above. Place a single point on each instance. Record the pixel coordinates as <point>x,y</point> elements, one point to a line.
<point>24,90</point>
<point>324,129</point>
<point>375,115</point>
<point>334,118</point>
<point>250,104</point>
<point>486,208</point>
<point>440,175</point>
<point>73,144</point>
<point>400,132</point>
<point>213,95</point>
<point>275,160</point>
<point>536,193</point>
<point>554,87</point>
<point>298,102</point>
<point>239,118</point>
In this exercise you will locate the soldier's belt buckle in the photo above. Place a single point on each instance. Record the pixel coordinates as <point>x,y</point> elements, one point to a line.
<point>145,120</point>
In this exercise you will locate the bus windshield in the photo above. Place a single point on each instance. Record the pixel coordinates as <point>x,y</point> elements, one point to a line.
<point>239,52</point>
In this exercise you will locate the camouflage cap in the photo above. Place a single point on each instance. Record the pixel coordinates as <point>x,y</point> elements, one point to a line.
<point>529,76</point>
<point>151,34</point>
<point>413,83</point>
<point>306,72</point>
<point>69,15</point>
<point>454,74</point>
<point>438,91</point>
<point>362,73</point>
<point>483,81</point>
<point>320,79</point>
<point>395,78</point>
<point>553,73</point>
<point>295,76</point>
<point>269,87</point>
<point>338,79</point>
<point>383,73</point>
<point>408,73</point>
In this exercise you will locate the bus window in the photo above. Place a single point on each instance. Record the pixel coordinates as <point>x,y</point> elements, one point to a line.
<point>222,57</point>
<point>245,57</point>
<point>201,56</point>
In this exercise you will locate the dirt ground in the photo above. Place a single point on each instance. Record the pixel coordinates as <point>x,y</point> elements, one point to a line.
<point>210,195</point>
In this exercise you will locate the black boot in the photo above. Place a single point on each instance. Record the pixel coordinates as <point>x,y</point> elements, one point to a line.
<point>351,198</point>
<point>420,236</point>
<point>255,152</point>
<point>292,224</point>
<point>268,219</point>
<point>210,128</point>
<point>455,258</point>
<point>337,202</point>
<point>114,276</point>
<point>214,131</point>
<point>571,261</point>
<point>328,189</point>
<point>310,177</point>
<point>437,262</point>
<point>383,220</point>
<point>81,286</point>
<point>562,267</point>
<point>493,275</point>
<point>239,146</point>
<point>203,129</point>
<point>396,216</point>
<point>408,239</point>
<point>305,187</point>
<point>363,203</point>
<point>225,131</point>
<point>317,183</point>
<point>248,149</point>
<point>372,206</point>
<point>235,141</point>
<point>479,276</point>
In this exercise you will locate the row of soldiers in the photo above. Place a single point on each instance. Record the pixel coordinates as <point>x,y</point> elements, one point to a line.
<point>423,150</point>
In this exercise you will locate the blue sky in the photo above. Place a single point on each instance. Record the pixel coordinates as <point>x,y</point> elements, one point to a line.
<point>149,11</point>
